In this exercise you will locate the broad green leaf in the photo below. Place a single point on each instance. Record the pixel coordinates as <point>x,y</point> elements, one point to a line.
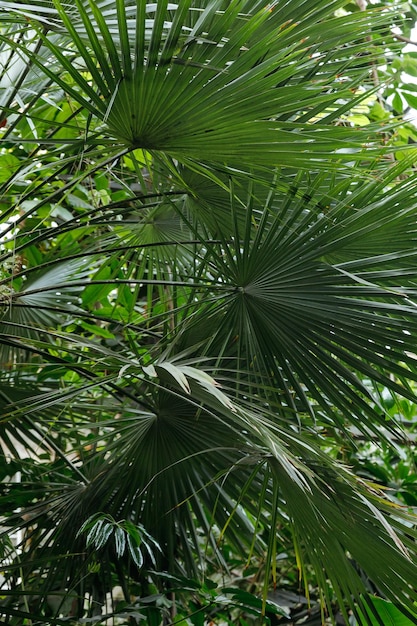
<point>9,164</point>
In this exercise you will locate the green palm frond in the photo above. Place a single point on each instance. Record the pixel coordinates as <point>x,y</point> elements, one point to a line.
<point>220,84</point>
<point>186,455</point>
<point>40,303</point>
<point>197,300</point>
<point>284,310</point>
<point>18,440</point>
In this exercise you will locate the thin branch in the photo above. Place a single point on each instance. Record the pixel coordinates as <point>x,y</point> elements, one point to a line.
<point>83,255</point>
<point>127,281</point>
<point>405,39</point>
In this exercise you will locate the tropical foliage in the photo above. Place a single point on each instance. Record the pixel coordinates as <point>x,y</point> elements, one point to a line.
<point>208,313</point>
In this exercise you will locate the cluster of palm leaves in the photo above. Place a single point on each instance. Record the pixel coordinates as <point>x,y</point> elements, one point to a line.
<point>208,282</point>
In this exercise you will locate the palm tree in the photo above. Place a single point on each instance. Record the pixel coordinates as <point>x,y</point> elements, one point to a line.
<point>208,285</point>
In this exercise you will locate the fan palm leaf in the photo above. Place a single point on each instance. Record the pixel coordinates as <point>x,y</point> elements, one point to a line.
<point>283,309</point>
<point>238,75</point>
<point>35,305</point>
<point>152,459</point>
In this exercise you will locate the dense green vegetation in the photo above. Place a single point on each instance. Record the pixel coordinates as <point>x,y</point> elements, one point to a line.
<point>208,313</point>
